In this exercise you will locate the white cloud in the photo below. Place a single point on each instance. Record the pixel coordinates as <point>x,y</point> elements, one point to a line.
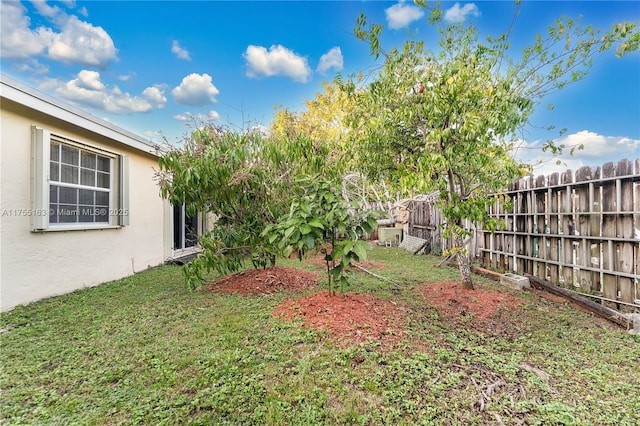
<point>45,10</point>
<point>89,80</point>
<point>196,90</point>
<point>400,15</point>
<point>79,42</point>
<point>459,14</point>
<point>155,96</point>
<point>179,51</point>
<point>597,146</point>
<point>198,118</point>
<point>278,60</point>
<point>597,150</point>
<point>73,40</point>
<point>87,89</point>
<point>33,66</point>
<point>16,39</point>
<point>331,59</point>
<point>126,77</point>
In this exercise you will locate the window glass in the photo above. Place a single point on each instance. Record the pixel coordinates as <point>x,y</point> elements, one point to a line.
<point>80,185</point>
<point>67,213</point>
<point>102,215</point>
<point>87,177</point>
<point>87,214</point>
<point>86,196</point>
<point>103,180</point>
<point>69,174</point>
<point>69,154</point>
<point>68,195</point>
<point>55,152</point>
<point>54,171</point>
<point>103,164</point>
<point>88,160</point>
<point>102,198</point>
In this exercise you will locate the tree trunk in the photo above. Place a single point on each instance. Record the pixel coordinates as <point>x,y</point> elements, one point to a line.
<point>464,264</point>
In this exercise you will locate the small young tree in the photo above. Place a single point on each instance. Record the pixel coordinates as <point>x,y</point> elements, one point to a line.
<point>447,120</point>
<point>320,220</point>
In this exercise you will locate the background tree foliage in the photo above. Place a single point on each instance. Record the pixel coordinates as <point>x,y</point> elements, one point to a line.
<point>322,121</point>
<point>447,120</point>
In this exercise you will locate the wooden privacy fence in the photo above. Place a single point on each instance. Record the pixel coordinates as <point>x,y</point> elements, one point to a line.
<point>581,231</point>
<point>424,220</point>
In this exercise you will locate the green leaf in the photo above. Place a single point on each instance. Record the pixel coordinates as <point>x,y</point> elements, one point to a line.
<point>335,272</point>
<point>309,241</point>
<point>289,231</point>
<point>305,229</point>
<point>316,224</point>
<point>360,249</point>
<point>346,248</point>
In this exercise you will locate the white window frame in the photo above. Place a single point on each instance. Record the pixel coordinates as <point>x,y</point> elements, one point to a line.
<point>41,183</point>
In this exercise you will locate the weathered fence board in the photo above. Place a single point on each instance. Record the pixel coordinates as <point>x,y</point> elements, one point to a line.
<point>424,222</point>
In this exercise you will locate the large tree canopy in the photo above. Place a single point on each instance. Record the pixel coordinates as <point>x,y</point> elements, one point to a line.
<point>446,119</point>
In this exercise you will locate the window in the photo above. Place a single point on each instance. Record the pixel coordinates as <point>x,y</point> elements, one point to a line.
<point>78,186</point>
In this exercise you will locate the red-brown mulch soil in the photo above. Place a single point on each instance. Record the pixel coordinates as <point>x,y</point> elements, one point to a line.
<point>486,306</point>
<point>350,318</point>
<point>266,281</point>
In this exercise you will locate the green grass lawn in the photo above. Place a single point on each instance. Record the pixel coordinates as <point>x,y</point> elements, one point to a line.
<point>144,350</point>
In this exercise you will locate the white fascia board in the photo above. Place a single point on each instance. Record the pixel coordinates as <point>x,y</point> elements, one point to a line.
<point>22,94</point>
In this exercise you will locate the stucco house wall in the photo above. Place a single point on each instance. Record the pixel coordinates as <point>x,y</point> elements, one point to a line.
<point>36,264</point>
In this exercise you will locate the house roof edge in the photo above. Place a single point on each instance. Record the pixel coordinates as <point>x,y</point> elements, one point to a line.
<point>26,95</point>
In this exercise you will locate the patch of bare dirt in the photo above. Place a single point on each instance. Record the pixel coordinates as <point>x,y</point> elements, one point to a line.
<point>350,318</point>
<point>266,281</point>
<point>485,308</point>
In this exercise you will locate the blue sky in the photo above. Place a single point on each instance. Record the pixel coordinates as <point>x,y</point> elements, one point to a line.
<point>152,66</point>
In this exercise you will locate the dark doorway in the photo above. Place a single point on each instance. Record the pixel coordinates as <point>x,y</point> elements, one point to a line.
<point>185,229</point>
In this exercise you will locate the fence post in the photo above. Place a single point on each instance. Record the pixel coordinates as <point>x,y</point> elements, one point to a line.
<point>567,229</point>
<point>511,223</point>
<point>637,235</point>
<point>595,229</point>
<point>584,202</point>
<point>610,209</point>
<point>520,241</point>
<point>554,231</point>
<point>541,225</point>
<point>624,195</point>
<point>487,254</point>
